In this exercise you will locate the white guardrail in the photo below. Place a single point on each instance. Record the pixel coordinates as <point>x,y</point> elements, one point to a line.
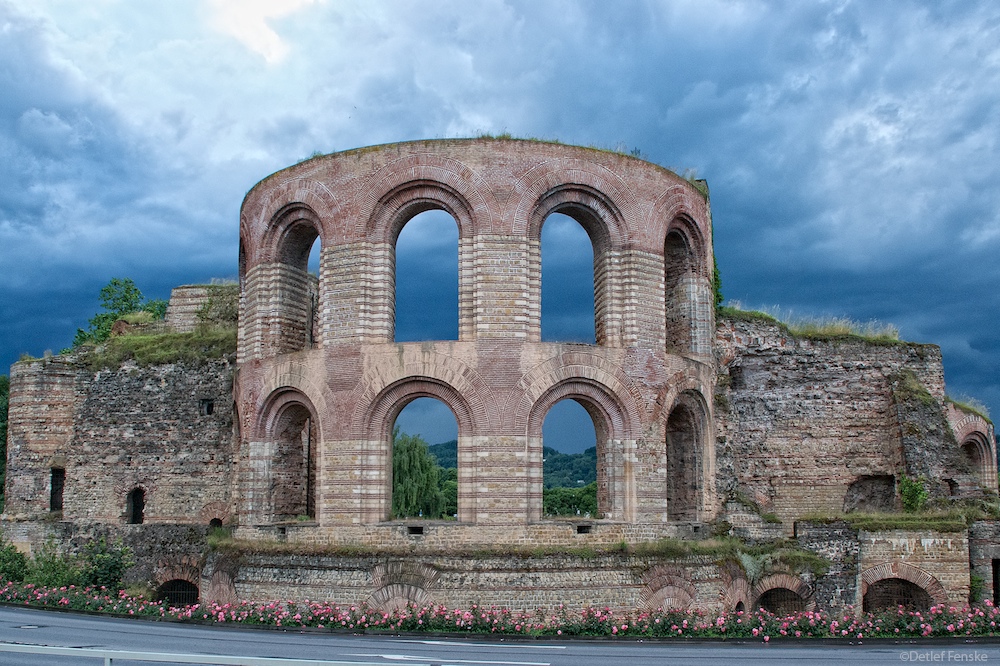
<point>110,655</point>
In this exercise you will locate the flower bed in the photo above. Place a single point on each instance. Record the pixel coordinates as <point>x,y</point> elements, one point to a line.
<point>939,621</point>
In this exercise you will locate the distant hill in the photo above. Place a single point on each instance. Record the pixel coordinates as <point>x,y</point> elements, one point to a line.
<point>569,470</point>
<point>562,470</point>
<point>446,453</point>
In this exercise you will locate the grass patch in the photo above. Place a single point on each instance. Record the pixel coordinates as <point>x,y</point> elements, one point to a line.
<point>952,520</point>
<point>207,343</point>
<point>815,328</point>
<point>908,388</point>
<point>970,406</point>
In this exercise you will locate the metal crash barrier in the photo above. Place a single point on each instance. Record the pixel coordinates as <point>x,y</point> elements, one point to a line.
<point>110,655</point>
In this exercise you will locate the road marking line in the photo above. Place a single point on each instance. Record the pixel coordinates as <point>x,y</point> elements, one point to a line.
<point>439,660</point>
<point>485,645</point>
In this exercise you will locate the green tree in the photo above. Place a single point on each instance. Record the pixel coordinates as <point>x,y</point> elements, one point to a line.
<point>105,564</point>
<point>4,402</point>
<point>580,501</point>
<point>13,563</point>
<point>415,487</point>
<point>119,297</point>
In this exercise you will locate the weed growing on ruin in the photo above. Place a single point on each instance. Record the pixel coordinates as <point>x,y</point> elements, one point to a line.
<point>970,406</point>
<point>206,343</point>
<point>913,493</point>
<point>814,328</point>
<point>907,387</point>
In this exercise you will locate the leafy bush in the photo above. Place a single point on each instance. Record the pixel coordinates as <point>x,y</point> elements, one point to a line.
<point>913,493</point>
<point>13,563</point>
<point>50,568</point>
<point>105,564</point>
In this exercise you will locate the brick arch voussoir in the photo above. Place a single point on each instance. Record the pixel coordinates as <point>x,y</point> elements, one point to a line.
<point>904,571</point>
<point>182,568</point>
<point>606,387</point>
<point>735,591</point>
<point>453,383</point>
<point>788,582</point>
<point>260,216</point>
<point>663,583</point>
<point>448,182</point>
<point>681,389</point>
<point>400,584</point>
<point>596,185</point>
<point>284,384</point>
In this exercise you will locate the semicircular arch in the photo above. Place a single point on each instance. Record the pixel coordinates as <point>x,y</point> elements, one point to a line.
<point>408,186</point>
<point>908,572</point>
<point>265,210</point>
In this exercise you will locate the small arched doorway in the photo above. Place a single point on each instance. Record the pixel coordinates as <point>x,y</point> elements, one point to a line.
<point>135,506</point>
<point>891,593</point>
<point>177,593</point>
<point>781,601</point>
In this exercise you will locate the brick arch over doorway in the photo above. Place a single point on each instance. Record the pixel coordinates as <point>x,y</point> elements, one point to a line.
<point>498,378</point>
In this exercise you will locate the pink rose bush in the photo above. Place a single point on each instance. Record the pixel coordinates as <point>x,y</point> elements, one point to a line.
<point>939,621</point>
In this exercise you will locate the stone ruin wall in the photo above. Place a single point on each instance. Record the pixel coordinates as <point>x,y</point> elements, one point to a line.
<point>800,420</point>
<point>114,431</point>
<point>788,424</point>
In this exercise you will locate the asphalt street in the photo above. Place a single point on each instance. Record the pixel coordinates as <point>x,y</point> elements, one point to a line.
<point>34,627</point>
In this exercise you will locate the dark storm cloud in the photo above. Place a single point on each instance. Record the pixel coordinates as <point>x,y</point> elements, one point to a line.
<point>851,148</point>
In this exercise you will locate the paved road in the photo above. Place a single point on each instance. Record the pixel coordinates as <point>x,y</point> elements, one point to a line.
<point>69,630</point>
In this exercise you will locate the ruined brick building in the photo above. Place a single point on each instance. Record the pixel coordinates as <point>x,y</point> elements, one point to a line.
<point>704,424</point>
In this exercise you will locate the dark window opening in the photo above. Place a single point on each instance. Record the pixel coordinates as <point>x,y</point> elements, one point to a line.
<point>683,461</point>
<point>739,607</point>
<point>891,593</point>
<point>135,506</point>
<point>414,529</point>
<point>215,522</point>
<point>679,278</point>
<point>567,306</point>
<point>781,601</point>
<point>952,486</point>
<point>294,468</point>
<point>178,593</point>
<point>206,406</point>
<point>58,482</point>
<point>427,278</point>
<point>583,529</point>
<point>996,582</point>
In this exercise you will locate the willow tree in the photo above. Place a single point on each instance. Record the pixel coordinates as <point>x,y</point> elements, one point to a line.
<point>415,488</point>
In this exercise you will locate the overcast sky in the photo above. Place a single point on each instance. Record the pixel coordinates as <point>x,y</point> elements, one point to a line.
<point>851,148</point>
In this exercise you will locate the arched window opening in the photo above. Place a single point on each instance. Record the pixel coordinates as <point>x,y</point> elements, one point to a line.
<point>298,297</point>
<point>781,601</point>
<point>56,484</point>
<point>679,278</point>
<point>135,506</point>
<point>177,593</point>
<point>294,468</point>
<point>569,461</point>
<point>976,453</point>
<point>683,463</point>
<point>891,593</point>
<point>567,281</point>
<point>425,461</point>
<point>739,607</point>
<point>427,278</point>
